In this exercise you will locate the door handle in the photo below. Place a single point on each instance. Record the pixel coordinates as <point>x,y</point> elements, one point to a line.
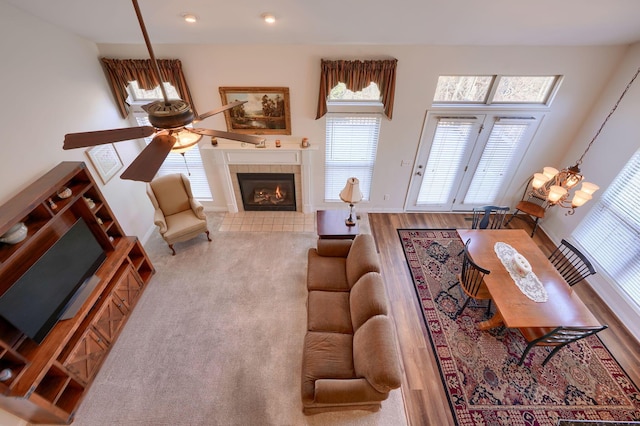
<point>419,172</point>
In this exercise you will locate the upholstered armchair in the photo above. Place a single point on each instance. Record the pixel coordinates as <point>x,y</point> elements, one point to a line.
<point>178,215</point>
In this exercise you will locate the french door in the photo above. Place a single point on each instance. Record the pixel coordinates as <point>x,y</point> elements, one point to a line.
<point>468,160</point>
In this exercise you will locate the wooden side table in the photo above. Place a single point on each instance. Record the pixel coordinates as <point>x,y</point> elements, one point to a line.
<point>331,225</point>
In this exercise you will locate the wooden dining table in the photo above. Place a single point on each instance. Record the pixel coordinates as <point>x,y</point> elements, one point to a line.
<point>513,308</point>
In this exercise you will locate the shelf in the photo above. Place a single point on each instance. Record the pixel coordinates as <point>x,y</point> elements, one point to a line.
<point>48,380</point>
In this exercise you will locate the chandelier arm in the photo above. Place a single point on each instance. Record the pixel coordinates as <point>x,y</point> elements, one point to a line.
<point>607,118</point>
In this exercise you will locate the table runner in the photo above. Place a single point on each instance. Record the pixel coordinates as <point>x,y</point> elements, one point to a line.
<point>529,284</point>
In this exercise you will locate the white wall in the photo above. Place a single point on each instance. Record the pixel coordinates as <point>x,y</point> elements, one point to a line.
<point>207,67</point>
<point>53,84</point>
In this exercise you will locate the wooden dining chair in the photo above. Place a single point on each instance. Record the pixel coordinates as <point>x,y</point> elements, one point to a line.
<point>571,263</point>
<point>489,217</point>
<point>558,337</point>
<point>532,205</point>
<point>471,279</point>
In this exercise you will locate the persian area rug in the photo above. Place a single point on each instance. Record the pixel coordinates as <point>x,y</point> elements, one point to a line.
<point>479,369</point>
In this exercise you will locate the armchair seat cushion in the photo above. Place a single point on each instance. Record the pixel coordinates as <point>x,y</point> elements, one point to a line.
<point>183,225</point>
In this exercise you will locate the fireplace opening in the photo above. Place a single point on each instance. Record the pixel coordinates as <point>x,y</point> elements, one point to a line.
<point>267,191</point>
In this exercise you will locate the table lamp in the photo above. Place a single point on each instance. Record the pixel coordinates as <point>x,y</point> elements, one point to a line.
<point>351,194</point>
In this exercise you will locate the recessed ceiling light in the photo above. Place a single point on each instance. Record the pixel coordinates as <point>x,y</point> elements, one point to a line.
<point>268,18</point>
<point>190,18</point>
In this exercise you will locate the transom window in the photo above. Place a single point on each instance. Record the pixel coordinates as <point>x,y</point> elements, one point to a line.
<point>341,93</point>
<point>495,89</point>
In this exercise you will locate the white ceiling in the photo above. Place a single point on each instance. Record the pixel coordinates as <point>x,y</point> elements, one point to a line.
<point>446,22</point>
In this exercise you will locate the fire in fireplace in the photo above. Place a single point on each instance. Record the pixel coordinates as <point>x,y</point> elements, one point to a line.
<point>267,191</point>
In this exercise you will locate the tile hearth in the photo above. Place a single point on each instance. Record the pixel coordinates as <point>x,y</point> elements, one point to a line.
<point>268,222</point>
<point>279,222</point>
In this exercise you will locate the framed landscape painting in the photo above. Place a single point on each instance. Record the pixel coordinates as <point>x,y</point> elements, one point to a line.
<point>266,111</point>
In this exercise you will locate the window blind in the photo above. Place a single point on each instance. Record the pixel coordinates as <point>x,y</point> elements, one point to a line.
<point>504,142</point>
<point>352,143</point>
<point>447,152</point>
<point>610,233</point>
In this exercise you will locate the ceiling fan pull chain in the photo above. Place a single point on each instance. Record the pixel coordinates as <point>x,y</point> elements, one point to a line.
<point>185,163</point>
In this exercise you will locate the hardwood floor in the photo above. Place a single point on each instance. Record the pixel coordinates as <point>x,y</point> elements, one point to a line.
<point>425,400</point>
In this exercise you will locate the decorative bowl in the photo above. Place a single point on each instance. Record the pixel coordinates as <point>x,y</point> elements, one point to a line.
<point>521,265</point>
<point>15,234</point>
<point>64,192</point>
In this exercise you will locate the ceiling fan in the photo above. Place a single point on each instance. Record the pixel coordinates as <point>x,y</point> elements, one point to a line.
<point>169,119</point>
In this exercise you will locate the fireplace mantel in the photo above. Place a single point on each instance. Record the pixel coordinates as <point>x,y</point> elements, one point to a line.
<point>227,154</point>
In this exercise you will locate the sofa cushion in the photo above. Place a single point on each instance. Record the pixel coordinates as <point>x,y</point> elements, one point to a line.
<point>329,311</point>
<point>325,356</point>
<point>374,354</point>
<point>362,258</point>
<point>326,273</point>
<point>367,299</point>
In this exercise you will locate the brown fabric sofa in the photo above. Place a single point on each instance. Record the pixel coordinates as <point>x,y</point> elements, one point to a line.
<point>350,359</point>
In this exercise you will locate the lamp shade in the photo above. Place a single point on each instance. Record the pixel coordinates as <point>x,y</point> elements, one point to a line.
<point>351,192</point>
<point>556,193</point>
<point>579,198</point>
<point>549,172</point>
<point>589,187</point>
<point>539,179</point>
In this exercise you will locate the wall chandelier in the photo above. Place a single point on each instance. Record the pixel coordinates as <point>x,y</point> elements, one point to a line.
<point>554,186</point>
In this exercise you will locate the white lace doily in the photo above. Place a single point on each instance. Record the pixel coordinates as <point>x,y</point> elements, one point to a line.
<point>529,284</point>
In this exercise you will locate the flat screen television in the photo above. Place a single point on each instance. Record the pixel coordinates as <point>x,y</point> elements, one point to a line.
<point>38,299</point>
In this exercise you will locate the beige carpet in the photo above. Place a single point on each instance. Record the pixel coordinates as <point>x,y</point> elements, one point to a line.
<point>217,339</point>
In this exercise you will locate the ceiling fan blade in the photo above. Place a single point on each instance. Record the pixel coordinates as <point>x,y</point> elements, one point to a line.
<point>256,140</point>
<point>84,139</point>
<point>219,110</point>
<point>147,163</point>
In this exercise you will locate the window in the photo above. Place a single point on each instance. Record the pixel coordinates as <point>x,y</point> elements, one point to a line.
<point>610,233</point>
<point>467,160</point>
<point>191,163</point>
<point>352,142</point>
<point>352,138</point>
<point>495,89</point>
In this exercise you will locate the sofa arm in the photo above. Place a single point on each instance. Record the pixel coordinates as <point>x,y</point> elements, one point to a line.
<point>340,391</point>
<point>197,208</point>
<point>158,219</point>
<point>334,248</point>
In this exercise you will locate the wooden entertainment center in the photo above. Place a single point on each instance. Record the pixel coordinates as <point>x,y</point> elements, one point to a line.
<point>45,383</point>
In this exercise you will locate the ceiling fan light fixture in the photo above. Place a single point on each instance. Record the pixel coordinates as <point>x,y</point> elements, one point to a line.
<point>185,140</point>
<point>192,19</point>
<point>268,18</point>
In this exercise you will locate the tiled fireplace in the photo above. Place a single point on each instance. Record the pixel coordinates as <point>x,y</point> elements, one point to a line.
<point>232,159</point>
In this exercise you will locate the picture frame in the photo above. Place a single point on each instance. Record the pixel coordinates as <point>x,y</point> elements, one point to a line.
<point>266,112</point>
<point>105,160</point>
